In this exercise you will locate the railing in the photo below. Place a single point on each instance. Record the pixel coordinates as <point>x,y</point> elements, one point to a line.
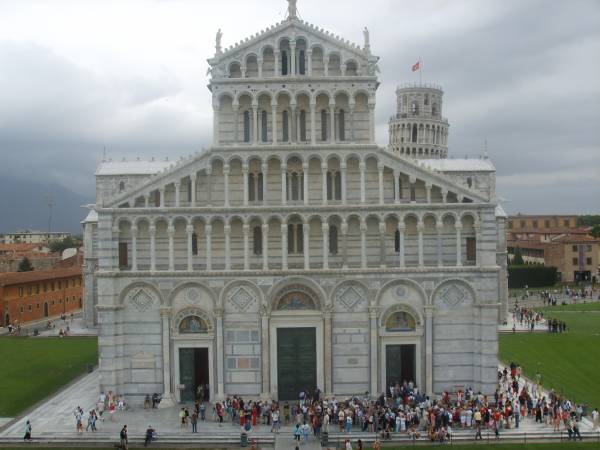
<point>421,85</point>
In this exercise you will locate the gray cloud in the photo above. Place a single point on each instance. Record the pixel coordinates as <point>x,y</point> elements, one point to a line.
<point>523,75</point>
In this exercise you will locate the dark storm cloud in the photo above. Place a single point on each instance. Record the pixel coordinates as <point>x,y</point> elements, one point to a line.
<point>523,75</point>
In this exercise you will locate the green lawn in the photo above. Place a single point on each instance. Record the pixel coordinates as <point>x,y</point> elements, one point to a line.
<point>33,368</point>
<point>498,446</point>
<point>568,362</point>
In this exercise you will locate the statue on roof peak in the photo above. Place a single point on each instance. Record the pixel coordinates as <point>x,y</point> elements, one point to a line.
<point>292,10</point>
<point>218,38</point>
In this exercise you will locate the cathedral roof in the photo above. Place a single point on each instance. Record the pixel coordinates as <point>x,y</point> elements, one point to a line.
<point>459,165</point>
<point>131,167</point>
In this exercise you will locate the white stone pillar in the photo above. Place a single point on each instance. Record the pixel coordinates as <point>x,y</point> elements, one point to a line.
<point>283,184</point>
<point>226,182</point>
<point>265,172</point>
<point>208,232</point>
<point>313,122</point>
<point>444,195</point>
<point>245,182</point>
<point>325,229</point>
<point>171,234</point>
<point>177,194</point>
<point>332,122</point>
<point>305,242</point>
<point>277,55</point>
<point>429,350</point>
<point>260,66</point>
<point>227,231</point>
<point>284,248</point>
<point>193,178</point>
<point>401,230</point>
<point>216,124</point>
<point>372,122</point>
<point>152,231</point>
<point>245,232</point>
<point>363,244</point>
<point>439,226</point>
<point>208,186</point>
<point>380,173</point>
<point>265,246</point>
<point>146,200</point>
<point>134,235</point>
<point>327,351</point>
<point>373,341</point>
<point>362,167</point>
<point>162,197</point>
<point>344,230</point>
<point>167,396</point>
<point>324,182</point>
<point>305,187</point>
<point>458,228</point>
<point>352,135</point>
<point>343,169</point>
<point>236,123</point>
<point>396,186</point>
<point>420,227</point>
<point>189,229</point>
<point>326,66</point>
<point>477,229</point>
<point>293,132</point>
<point>255,127</point>
<point>309,62</point>
<point>428,187</point>
<point>220,352</point>
<point>243,70</point>
<point>413,189</point>
<point>293,58</point>
<point>274,121</point>
<point>382,230</point>
<point>264,350</point>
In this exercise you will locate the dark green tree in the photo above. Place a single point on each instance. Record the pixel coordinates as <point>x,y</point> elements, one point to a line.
<point>595,231</point>
<point>59,245</point>
<point>25,265</point>
<point>518,259</point>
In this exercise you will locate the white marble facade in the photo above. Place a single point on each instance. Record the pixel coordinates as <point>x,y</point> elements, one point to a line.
<point>281,207</point>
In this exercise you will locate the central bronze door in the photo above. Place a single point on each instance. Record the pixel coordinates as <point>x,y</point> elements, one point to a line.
<point>296,362</point>
<point>399,364</point>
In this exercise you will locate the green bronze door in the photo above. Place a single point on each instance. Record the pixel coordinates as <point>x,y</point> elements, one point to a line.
<point>399,364</point>
<point>296,362</point>
<point>186,374</point>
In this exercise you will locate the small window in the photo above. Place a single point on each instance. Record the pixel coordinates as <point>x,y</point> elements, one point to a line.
<point>588,261</point>
<point>121,186</point>
<point>547,223</point>
<point>29,308</point>
<point>303,125</point>
<point>194,244</point>
<point>122,255</point>
<point>246,126</point>
<point>257,240</point>
<point>20,292</point>
<point>323,125</point>
<point>333,240</point>
<point>264,126</point>
<point>574,248</point>
<point>575,261</point>
<point>285,126</point>
<point>471,249</point>
<point>341,125</point>
<point>535,224</point>
<point>397,241</point>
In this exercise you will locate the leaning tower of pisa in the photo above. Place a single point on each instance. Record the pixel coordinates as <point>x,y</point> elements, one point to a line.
<point>418,129</point>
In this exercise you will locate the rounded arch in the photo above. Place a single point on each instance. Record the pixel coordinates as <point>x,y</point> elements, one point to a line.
<point>123,220</point>
<point>193,284</point>
<point>399,282</point>
<point>289,282</point>
<point>214,158</point>
<point>141,285</point>
<point>142,219</point>
<point>402,307</point>
<point>317,45</point>
<point>229,94</point>
<point>203,323</point>
<point>261,50</point>
<point>294,155</point>
<point>470,214</point>
<point>236,157</point>
<point>240,94</point>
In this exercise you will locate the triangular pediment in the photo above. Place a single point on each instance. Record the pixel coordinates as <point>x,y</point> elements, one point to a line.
<point>201,161</point>
<point>291,29</point>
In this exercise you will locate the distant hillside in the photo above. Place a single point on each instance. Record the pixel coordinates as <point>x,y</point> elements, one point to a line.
<point>23,206</point>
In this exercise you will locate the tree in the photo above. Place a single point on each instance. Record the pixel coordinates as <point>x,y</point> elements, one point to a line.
<point>595,231</point>
<point>59,245</point>
<point>518,259</point>
<point>25,265</point>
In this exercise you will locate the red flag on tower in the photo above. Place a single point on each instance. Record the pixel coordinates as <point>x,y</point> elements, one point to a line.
<point>416,66</point>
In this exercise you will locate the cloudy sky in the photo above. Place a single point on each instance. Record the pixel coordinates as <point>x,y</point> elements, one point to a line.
<point>77,76</point>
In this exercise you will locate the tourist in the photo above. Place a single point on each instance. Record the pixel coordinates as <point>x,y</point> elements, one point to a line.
<point>123,438</point>
<point>348,445</point>
<point>147,402</point>
<point>203,412</point>
<point>275,421</point>
<point>297,434</point>
<point>112,407</point>
<point>150,436</point>
<point>305,431</point>
<point>27,436</point>
<point>194,421</point>
<point>155,400</point>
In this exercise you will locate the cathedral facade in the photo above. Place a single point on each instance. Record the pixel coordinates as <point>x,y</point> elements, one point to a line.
<point>295,253</point>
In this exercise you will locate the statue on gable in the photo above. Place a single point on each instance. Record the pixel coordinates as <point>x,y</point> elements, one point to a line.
<point>292,10</point>
<point>218,38</point>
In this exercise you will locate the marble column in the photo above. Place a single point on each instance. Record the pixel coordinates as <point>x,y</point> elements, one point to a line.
<point>332,122</point>
<point>413,191</point>
<point>420,228</point>
<point>220,351</point>
<point>255,127</point>
<point>373,340</point>
<point>260,62</point>
<point>216,125</point>
<point>458,228</point>
<point>309,62</point>
<point>265,173</point>
<point>396,186</point>
<point>325,231</point>
<point>362,167</point>
<point>327,350</point>
<point>344,230</point>
<point>146,200</point>
<point>381,192</point>
<point>401,231</point>
<point>306,246</point>
<point>264,352</point>
<point>245,232</point>
<point>352,135</point>
<point>226,182</point>
<point>326,66</point>
<point>227,232</point>
<point>177,194</point>
<point>265,246</point>
<point>208,233</point>
<point>343,169</point>
<point>152,231</point>
<point>208,186</point>
<point>283,184</point>
<point>162,197</point>
<point>293,58</point>
<point>245,182</point>
<point>193,179</point>
<point>428,187</point>
<point>324,183</point>
<point>171,234</point>
<point>313,124</point>
<point>477,229</point>
<point>429,350</point>
<point>444,195</point>
<point>134,235</point>
<point>382,230</point>
<point>189,229</point>
<point>167,396</point>
<point>274,122</point>
<point>284,245</point>
<point>305,188</point>
<point>363,244</point>
<point>371,122</point>
<point>277,55</point>
<point>293,125</point>
<point>439,226</point>
<point>236,123</point>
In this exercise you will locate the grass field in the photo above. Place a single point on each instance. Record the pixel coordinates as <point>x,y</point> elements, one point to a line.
<point>33,368</point>
<point>568,362</point>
